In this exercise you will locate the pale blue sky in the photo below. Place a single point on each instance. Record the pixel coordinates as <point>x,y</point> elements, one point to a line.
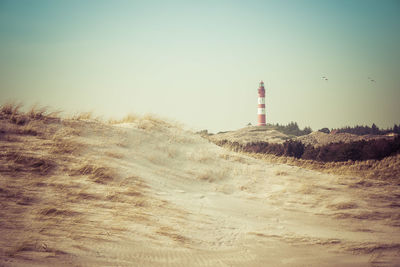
<point>200,62</point>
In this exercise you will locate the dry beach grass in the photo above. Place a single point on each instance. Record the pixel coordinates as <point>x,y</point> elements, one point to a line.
<point>143,191</point>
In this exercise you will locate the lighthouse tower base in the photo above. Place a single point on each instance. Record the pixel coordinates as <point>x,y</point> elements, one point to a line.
<point>261,120</point>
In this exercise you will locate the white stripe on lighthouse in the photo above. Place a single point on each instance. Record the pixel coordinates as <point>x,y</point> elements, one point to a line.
<point>261,110</point>
<point>261,100</point>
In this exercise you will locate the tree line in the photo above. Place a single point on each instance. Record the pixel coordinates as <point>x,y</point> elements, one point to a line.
<point>291,128</point>
<point>363,130</point>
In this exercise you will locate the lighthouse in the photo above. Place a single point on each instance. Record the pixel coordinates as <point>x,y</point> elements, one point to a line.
<point>261,105</point>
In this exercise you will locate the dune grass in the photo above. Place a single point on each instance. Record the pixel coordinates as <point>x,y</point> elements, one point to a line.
<point>15,162</point>
<point>387,169</point>
<point>97,173</point>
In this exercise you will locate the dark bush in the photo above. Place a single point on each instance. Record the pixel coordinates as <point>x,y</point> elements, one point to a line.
<point>293,149</point>
<point>360,150</point>
<point>324,130</point>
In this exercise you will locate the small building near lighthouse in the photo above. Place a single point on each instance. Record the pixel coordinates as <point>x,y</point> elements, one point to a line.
<point>261,105</point>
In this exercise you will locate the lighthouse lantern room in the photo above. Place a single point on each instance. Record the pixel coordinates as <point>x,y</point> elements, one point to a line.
<point>261,104</point>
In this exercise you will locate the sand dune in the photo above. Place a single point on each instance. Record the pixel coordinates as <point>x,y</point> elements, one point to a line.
<point>149,193</point>
<point>251,134</point>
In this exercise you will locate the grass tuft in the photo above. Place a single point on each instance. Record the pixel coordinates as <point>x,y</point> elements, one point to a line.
<point>98,174</point>
<point>83,116</point>
<point>36,112</point>
<point>19,162</point>
<point>212,175</point>
<point>130,118</point>
<point>281,173</point>
<point>58,212</point>
<point>10,108</point>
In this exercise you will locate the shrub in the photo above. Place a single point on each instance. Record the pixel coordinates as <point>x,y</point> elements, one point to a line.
<point>334,152</point>
<point>324,130</point>
<point>292,128</point>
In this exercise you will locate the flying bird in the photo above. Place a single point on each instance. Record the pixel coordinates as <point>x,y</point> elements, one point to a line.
<point>324,78</point>
<point>371,80</point>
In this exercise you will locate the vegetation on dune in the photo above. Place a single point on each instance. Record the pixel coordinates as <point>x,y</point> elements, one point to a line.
<point>97,173</point>
<point>38,124</point>
<point>12,112</point>
<point>16,162</point>
<point>147,122</point>
<point>384,169</point>
<point>53,178</point>
<point>359,150</point>
<point>334,152</point>
<point>291,128</point>
<point>363,130</point>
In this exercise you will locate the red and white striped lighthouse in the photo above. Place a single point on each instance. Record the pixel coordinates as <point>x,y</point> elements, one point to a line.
<point>261,104</point>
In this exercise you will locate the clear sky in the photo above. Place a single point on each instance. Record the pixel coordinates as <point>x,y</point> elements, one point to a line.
<point>200,62</point>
